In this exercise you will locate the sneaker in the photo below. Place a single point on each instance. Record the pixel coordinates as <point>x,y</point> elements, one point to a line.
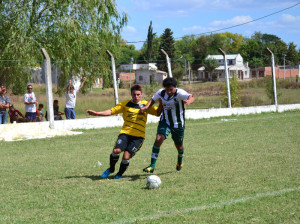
<point>105,174</point>
<point>118,176</point>
<point>148,169</point>
<point>179,166</point>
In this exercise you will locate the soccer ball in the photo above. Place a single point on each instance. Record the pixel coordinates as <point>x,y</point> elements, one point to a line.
<point>153,182</point>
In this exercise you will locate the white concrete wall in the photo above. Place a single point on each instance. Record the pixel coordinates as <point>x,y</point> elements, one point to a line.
<point>117,121</point>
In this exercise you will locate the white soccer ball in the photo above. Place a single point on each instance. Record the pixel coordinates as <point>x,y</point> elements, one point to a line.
<point>153,182</point>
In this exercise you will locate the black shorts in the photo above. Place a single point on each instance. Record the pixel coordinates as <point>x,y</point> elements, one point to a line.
<point>129,143</point>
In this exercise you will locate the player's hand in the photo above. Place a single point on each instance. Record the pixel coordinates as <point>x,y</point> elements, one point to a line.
<point>92,112</point>
<point>143,110</point>
<point>84,78</point>
<point>186,102</point>
<point>70,82</point>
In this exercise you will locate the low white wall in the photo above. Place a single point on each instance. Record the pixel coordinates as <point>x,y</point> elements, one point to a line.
<point>115,121</point>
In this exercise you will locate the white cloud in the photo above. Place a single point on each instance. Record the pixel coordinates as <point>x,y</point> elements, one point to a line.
<point>197,29</point>
<point>129,29</point>
<point>290,19</point>
<point>232,22</point>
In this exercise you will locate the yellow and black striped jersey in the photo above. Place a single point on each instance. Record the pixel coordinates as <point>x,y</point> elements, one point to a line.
<point>134,123</point>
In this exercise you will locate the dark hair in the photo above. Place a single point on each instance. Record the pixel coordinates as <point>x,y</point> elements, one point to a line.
<point>136,87</point>
<point>168,82</point>
<point>29,85</point>
<point>55,101</point>
<point>41,105</point>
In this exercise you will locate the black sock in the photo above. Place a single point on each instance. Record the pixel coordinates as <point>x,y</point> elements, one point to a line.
<point>123,167</point>
<point>113,160</point>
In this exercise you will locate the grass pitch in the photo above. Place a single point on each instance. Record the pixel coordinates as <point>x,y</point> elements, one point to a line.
<point>242,169</point>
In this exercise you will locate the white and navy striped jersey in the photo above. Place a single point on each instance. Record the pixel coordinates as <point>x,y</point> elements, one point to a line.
<point>173,107</point>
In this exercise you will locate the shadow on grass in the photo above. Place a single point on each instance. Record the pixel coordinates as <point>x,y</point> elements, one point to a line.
<point>130,177</point>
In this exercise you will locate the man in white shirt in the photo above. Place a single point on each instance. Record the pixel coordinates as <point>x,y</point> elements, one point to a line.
<point>71,99</point>
<point>30,104</point>
<point>172,119</point>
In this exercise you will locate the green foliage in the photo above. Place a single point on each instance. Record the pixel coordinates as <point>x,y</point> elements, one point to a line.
<point>235,93</point>
<point>178,73</point>
<point>210,65</point>
<point>75,34</point>
<point>167,43</point>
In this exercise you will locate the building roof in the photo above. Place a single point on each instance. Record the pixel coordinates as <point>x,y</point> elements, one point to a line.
<point>220,57</point>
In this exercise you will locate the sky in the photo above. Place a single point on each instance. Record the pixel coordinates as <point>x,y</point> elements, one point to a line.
<point>187,17</point>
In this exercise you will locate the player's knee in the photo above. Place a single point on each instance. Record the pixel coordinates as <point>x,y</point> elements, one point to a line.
<point>179,147</point>
<point>117,151</point>
<point>159,139</point>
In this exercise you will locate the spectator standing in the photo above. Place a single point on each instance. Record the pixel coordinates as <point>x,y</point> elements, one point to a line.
<point>30,104</point>
<point>71,99</point>
<point>4,103</point>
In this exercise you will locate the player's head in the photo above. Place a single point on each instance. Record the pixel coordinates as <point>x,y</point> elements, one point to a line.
<point>55,102</point>
<point>136,93</point>
<point>41,106</point>
<point>11,107</point>
<point>29,88</point>
<point>170,85</point>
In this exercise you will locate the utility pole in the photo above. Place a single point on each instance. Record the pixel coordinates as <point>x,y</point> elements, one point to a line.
<point>284,66</point>
<point>49,88</point>
<point>113,68</point>
<point>168,63</point>
<point>131,66</point>
<point>226,78</point>
<point>273,76</point>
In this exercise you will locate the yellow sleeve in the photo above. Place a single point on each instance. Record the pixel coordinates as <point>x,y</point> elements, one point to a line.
<point>119,108</point>
<point>153,110</point>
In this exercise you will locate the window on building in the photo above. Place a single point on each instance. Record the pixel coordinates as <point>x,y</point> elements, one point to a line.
<point>140,78</point>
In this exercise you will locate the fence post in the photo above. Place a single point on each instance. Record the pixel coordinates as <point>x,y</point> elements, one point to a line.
<point>50,112</point>
<point>168,63</point>
<point>113,68</point>
<point>273,76</point>
<point>226,77</point>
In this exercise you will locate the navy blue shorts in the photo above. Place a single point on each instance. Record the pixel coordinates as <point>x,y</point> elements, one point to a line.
<point>30,115</point>
<point>129,143</point>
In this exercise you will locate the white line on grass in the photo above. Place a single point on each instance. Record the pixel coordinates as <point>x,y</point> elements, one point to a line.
<point>209,206</point>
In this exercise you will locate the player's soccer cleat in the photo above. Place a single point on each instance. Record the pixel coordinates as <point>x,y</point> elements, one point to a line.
<point>179,166</point>
<point>148,169</point>
<point>118,176</point>
<point>105,174</point>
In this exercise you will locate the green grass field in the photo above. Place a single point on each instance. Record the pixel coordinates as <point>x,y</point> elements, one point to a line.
<point>242,170</point>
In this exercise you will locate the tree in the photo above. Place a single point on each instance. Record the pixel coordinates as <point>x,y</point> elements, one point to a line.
<point>76,35</point>
<point>235,93</point>
<point>292,54</point>
<point>210,65</point>
<point>167,43</point>
<point>150,38</point>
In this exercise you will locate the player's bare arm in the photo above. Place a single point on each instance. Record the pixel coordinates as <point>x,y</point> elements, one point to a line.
<point>189,100</point>
<point>101,113</point>
<point>145,108</point>
<point>83,81</point>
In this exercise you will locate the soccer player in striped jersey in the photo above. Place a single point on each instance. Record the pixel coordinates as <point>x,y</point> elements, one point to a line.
<point>172,119</point>
<point>132,134</point>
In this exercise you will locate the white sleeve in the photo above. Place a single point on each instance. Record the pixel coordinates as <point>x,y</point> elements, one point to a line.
<point>157,95</point>
<point>25,98</point>
<point>183,95</point>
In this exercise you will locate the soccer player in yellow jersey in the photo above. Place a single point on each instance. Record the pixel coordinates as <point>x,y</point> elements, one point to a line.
<point>132,134</point>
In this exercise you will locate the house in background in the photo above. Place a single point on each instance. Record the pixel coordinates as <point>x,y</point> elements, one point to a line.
<point>126,76</point>
<point>128,67</point>
<point>144,73</point>
<point>235,65</point>
<point>145,76</point>
<point>280,72</point>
